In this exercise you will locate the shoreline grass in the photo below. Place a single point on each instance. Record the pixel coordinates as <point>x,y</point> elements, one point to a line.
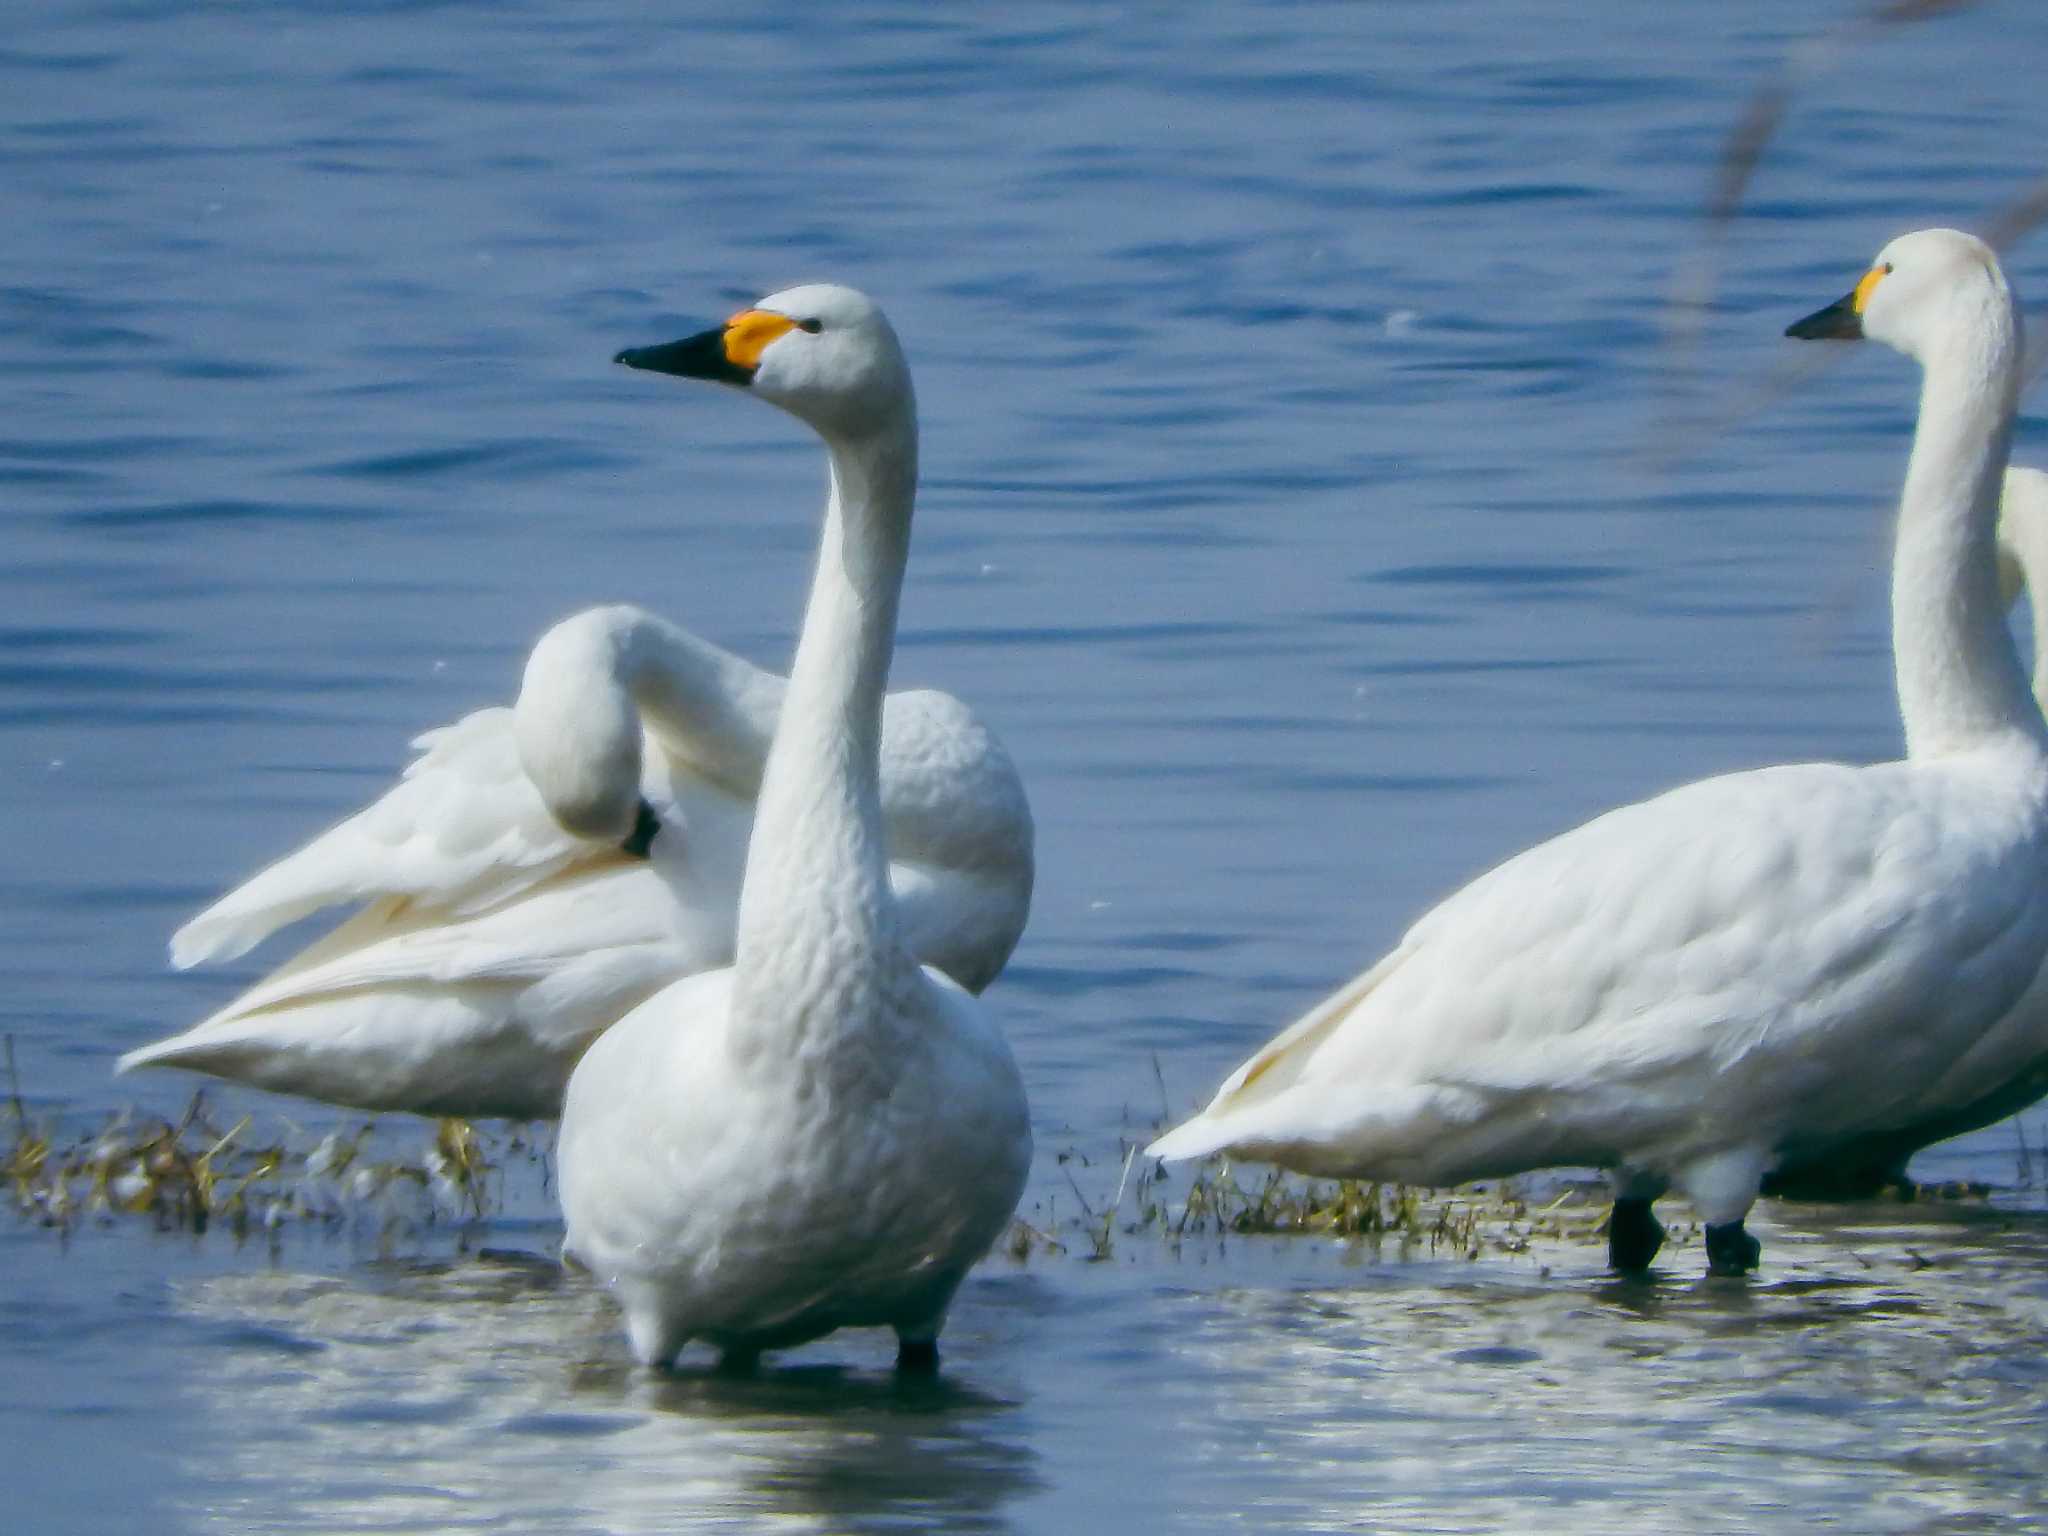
<point>195,1175</point>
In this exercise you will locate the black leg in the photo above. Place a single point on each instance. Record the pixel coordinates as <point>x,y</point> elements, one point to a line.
<point>739,1361</point>
<point>918,1357</point>
<point>1731,1250</point>
<point>1634,1234</point>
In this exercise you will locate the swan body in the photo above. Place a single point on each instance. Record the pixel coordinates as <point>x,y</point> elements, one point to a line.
<point>1745,970</point>
<point>504,926</point>
<point>824,1134</point>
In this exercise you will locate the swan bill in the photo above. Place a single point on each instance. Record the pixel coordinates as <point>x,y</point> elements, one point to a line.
<point>1840,321</point>
<point>726,354</point>
<point>701,356</point>
<point>1843,319</point>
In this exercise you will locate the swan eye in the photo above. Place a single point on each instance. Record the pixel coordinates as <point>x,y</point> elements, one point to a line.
<point>813,326</point>
<point>1887,269</point>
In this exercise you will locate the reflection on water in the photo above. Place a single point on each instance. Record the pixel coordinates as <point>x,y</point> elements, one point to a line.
<point>1872,1384</point>
<point>470,1395</point>
<point>1888,1375</point>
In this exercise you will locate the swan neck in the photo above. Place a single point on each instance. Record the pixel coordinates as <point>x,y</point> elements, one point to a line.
<point>1959,676</point>
<point>712,709</point>
<point>816,912</point>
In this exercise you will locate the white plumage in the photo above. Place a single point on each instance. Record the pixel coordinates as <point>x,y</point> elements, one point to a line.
<point>503,923</point>
<point>1747,970</point>
<point>2007,1069</point>
<point>2023,558</point>
<point>824,1135</point>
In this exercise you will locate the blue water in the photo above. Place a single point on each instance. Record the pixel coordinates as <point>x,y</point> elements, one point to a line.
<point>1303,504</point>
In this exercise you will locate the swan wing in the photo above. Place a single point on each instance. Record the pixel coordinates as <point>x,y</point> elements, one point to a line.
<point>463,828</point>
<point>613,905</point>
<point>397,1009</point>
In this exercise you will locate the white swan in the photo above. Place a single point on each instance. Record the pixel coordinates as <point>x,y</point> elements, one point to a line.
<point>1691,989</point>
<point>2007,1069</point>
<point>823,1135</point>
<point>505,923</point>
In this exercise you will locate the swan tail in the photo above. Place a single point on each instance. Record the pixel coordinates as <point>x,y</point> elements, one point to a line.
<point>1274,1068</point>
<point>397,1010</point>
<point>428,1051</point>
<point>1199,1137</point>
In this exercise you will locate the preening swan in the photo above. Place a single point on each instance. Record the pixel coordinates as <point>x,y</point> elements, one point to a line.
<point>824,1134</point>
<point>1745,970</point>
<point>540,870</point>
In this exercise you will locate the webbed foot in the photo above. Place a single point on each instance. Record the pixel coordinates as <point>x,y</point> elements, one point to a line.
<point>740,1361</point>
<point>917,1357</point>
<point>1731,1250</point>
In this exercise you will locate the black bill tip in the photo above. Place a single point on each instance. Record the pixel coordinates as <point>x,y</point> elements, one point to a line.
<point>1840,321</point>
<point>701,356</point>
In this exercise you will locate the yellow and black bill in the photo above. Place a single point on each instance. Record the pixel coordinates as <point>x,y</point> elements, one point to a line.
<point>1843,319</point>
<point>725,354</point>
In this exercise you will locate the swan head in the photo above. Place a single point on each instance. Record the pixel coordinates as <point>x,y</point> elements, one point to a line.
<point>1926,291</point>
<point>578,729</point>
<point>824,353</point>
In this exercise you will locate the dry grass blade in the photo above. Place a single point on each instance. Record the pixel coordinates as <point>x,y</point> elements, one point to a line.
<point>1758,124</point>
<point>1697,279</point>
<point>2019,217</point>
<point>1793,373</point>
<point>2003,230</point>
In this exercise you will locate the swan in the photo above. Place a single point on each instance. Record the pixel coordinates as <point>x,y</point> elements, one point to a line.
<point>2007,1069</point>
<point>823,1134</point>
<point>1744,970</point>
<point>539,870</point>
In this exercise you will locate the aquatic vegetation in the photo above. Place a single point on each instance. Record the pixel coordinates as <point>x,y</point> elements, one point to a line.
<point>193,1175</point>
<point>1215,1206</point>
<point>380,1178</point>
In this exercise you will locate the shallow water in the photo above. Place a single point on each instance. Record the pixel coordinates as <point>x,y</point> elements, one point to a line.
<point>1293,392</point>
